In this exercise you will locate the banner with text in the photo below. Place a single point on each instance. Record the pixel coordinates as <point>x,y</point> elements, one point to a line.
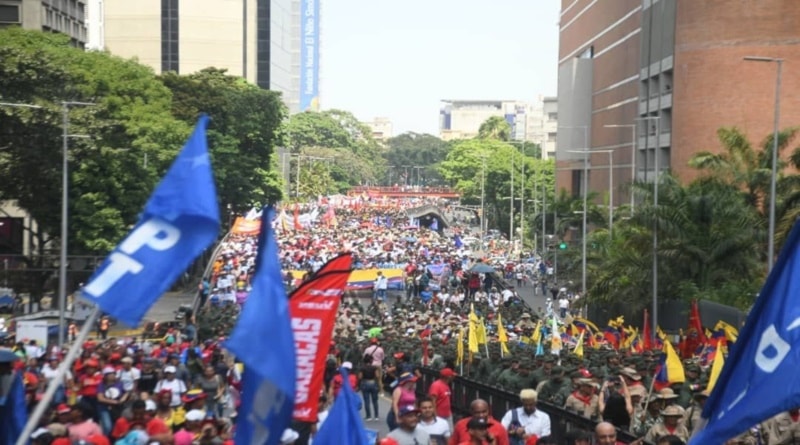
<point>309,55</point>
<point>313,307</point>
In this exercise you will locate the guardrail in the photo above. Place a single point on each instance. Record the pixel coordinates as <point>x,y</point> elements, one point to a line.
<point>209,268</point>
<point>464,391</point>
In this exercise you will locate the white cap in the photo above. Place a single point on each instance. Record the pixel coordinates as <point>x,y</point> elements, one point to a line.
<point>289,436</point>
<point>39,432</point>
<point>347,365</point>
<point>170,369</point>
<point>108,370</point>
<point>195,415</point>
<point>150,405</point>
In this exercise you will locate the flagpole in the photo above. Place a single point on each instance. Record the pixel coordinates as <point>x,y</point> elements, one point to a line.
<point>650,392</point>
<point>58,380</point>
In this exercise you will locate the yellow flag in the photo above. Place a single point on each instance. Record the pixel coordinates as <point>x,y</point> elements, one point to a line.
<point>502,337</point>
<point>673,363</point>
<point>460,347</point>
<point>473,331</point>
<point>536,337</point>
<point>731,333</point>
<point>481,332</point>
<point>579,347</point>
<point>716,369</point>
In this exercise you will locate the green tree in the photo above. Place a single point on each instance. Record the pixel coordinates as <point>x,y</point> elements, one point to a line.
<point>109,180</point>
<point>243,135</point>
<point>495,128</point>
<point>409,150</point>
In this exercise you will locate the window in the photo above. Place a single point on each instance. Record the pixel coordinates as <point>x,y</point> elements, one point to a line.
<point>263,43</point>
<point>552,117</point>
<point>170,58</point>
<point>9,13</point>
<point>551,137</point>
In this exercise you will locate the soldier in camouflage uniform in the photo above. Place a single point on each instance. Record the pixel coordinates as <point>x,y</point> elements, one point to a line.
<point>557,389</point>
<point>694,412</point>
<point>669,426</point>
<point>652,415</point>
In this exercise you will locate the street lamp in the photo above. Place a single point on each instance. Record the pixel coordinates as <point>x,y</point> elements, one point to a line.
<point>655,219</point>
<point>633,154</point>
<point>772,185</point>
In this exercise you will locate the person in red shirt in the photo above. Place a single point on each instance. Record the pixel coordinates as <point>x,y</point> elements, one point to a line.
<point>155,428</point>
<point>440,392</point>
<point>337,381</point>
<point>479,409</point>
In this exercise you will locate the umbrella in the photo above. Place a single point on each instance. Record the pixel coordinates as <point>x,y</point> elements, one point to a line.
<point>7,356</point>
<point>481,268</point>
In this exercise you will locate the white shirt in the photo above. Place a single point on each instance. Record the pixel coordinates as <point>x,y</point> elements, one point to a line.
<point>176,386</point>
<point>128,378</point>
<point>537,423</point>
<point>563,303</point>
<point>439,427</point>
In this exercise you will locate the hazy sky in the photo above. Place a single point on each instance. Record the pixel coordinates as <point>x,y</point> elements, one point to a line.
<point>399,58</point>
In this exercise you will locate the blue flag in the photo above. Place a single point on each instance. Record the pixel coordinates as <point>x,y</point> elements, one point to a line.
<point>179,221</point>
<point>435,224</point>
<point>457,241</point>
<point>264,341</point>
<point>343,424</point>
<point>759,379</point>
<point>13,413</point>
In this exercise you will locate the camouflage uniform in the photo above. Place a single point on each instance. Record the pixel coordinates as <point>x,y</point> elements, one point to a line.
<point>659,430</point>
<point>576,405</point>
<point>782,430</point>
<point>554,392</point>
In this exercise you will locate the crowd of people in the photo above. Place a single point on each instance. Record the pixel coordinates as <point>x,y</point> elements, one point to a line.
<point>184,389</point>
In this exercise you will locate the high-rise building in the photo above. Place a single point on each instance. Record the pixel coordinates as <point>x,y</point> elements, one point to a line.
<point>256,39</point>
<point>382,128</point>
<point>669,74</point>
<point>62,16</point>
<point>530,121</point>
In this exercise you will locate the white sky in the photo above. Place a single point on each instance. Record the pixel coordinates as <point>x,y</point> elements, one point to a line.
<point>398,59</point>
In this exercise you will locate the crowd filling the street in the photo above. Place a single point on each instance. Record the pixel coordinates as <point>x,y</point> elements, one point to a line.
<point>447,302</point>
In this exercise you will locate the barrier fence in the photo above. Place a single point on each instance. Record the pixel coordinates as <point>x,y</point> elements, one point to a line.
<point>500,401</point>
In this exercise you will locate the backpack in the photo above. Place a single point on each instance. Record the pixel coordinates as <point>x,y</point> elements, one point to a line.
<point>514,439</point>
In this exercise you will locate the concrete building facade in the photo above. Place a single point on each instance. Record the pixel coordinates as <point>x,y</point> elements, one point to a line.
<point>249,38</point>
<point>382,128</point>
<point>667,74</point>
<point>530,121</point>
<point>62,16</point>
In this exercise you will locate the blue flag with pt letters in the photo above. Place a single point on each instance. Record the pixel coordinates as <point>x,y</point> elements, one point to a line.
<point>264,341</point>
<point>180,220</point>
<point>759,379</point>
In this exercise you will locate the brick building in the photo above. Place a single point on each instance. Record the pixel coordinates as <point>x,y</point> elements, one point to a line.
<point>669,67</point>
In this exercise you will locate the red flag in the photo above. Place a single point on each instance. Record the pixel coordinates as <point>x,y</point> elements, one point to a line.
<point>647,340</point>
<point>313,307</point>
<point>695,335</point>
<point>297,225</point>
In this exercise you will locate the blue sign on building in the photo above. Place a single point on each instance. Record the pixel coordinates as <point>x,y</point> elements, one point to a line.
<point>309,55</point>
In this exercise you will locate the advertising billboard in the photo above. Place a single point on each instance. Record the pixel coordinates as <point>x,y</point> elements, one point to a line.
<point>309,55</point>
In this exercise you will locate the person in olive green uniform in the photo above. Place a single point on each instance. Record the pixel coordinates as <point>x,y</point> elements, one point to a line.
<point>693,378</point>
<point>557,389</point>
<point>694,412</point>
<point>543,373</point>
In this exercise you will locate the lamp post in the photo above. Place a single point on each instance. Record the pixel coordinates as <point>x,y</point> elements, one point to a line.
<point>655,220</point>
<point>62,261</point>
<point>774,173</point>
<point>633,154</point>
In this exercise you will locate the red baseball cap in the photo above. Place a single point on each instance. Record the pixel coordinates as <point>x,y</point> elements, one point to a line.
<point>63,409</point>
<point>447,372</point>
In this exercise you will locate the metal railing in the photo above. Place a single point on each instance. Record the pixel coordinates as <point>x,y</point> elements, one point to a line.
<point>464,391</point>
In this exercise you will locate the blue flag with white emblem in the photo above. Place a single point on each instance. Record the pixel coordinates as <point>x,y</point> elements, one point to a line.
<point>343,424</point>
<point>180,220</point>
<point>264,341</point>
<point>13,411</point>
<point>759,379</point>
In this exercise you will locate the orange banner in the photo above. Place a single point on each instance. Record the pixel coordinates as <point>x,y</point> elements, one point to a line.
<point>246,227</point>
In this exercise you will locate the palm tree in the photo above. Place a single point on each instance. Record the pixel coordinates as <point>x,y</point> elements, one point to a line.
<point>495,128</point>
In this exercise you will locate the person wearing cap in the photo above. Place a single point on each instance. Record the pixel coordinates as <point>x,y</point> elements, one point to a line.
<point>41,436</point>
<point>407,431</point>
<point>544,372</point>
<point>191,430</point>
<point>651,415</point>
<point>690,385</point>
<point>139,418</point>
<point>526,421</point>
<point>404,394</point>
<point>440,392</point>
<point>435,426</point>
<point>526,323</point>
<point>173,417</point>
<point>129,376</point>
<point>584,401</point>
<point>479,410</point>
<point>555,390</point>
<point>669,398</point>
<point>175,386</point>
<point>338,381</point>
<point>63,413</point>
<point>693,414</point>
<point>110,397</point>
<point>671,426</point>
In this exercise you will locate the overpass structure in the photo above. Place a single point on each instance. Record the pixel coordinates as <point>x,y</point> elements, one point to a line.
<point>405,192</point>
<point>427,214</point>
